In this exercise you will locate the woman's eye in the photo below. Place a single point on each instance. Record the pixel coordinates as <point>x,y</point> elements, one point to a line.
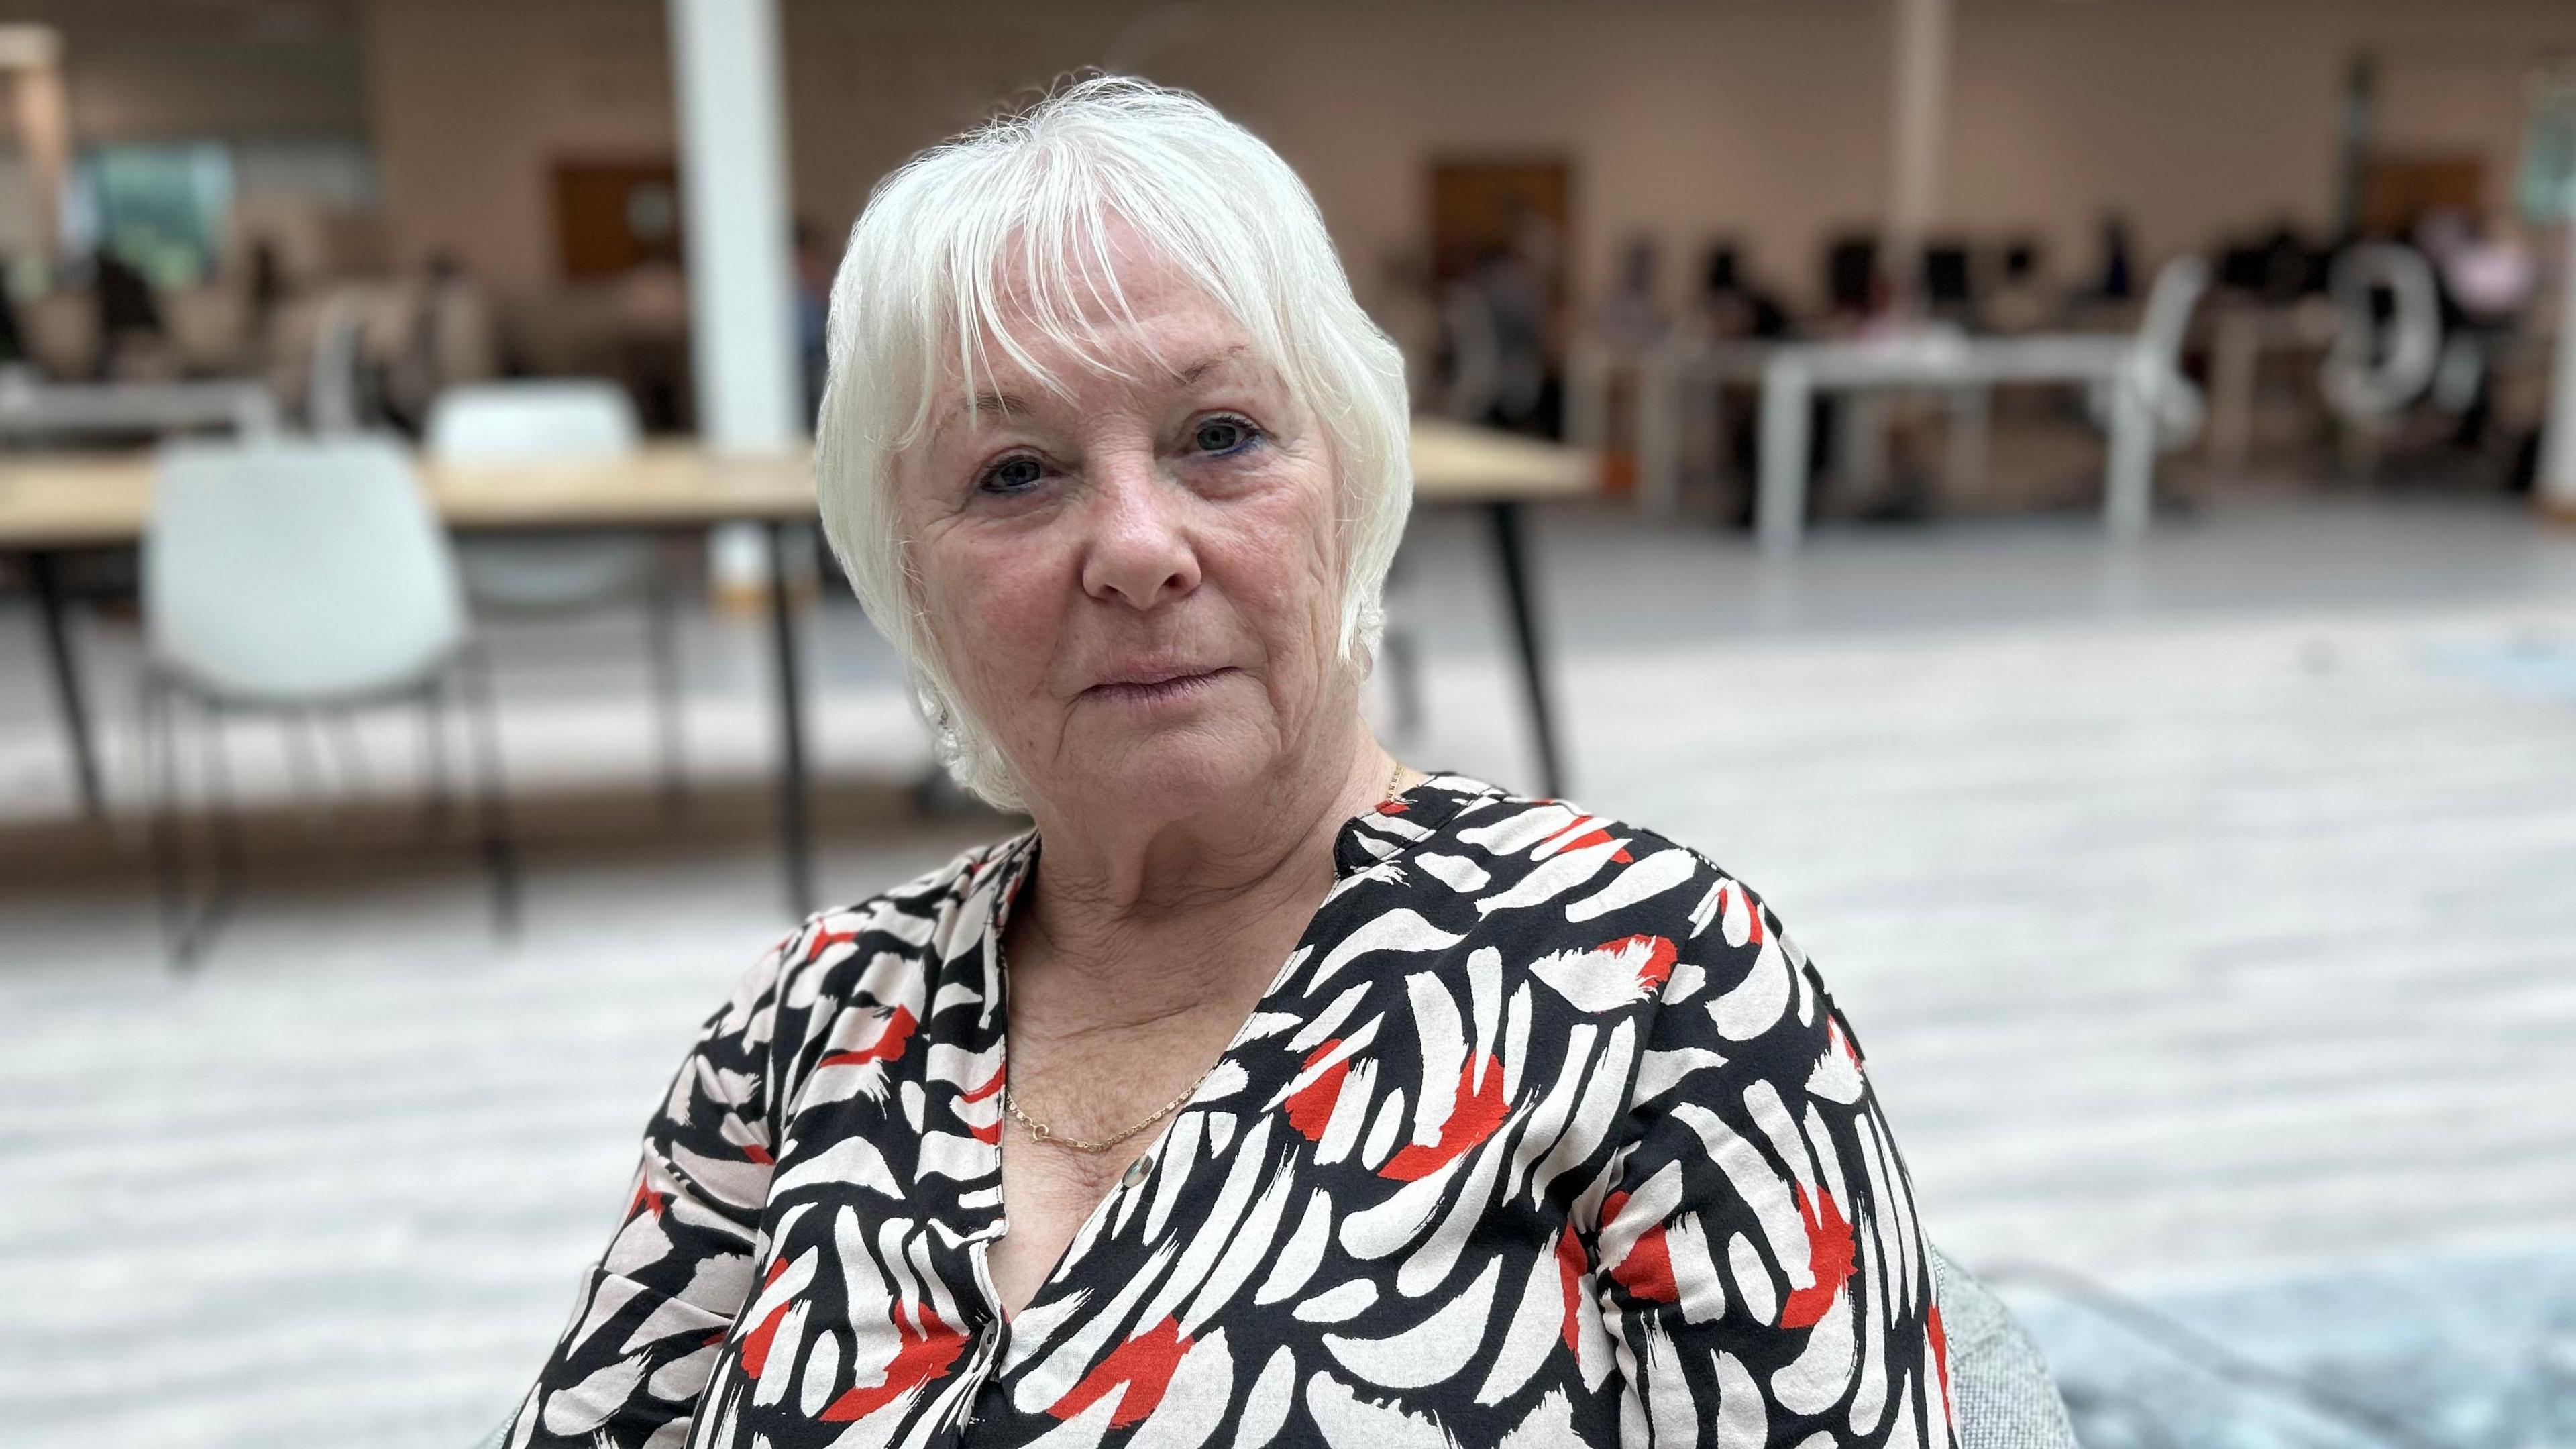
<point>1224,435</point>
<point>1012,475</point>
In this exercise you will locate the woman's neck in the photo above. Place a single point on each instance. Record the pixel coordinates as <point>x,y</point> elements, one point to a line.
<point>1153,916</point>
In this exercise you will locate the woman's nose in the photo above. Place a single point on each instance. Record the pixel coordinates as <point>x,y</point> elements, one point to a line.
<point>1140,552</point>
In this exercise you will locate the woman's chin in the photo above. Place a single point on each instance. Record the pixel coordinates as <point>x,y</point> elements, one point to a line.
<point>1171,765</point>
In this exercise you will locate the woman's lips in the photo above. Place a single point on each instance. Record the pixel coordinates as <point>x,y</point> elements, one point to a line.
<point>1156,686</point>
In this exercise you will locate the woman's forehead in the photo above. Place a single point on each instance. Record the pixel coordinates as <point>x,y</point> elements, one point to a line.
<point>1184,342</point>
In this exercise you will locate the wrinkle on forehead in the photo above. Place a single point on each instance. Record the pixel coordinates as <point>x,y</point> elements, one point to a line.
<point>1177,375</point>
<point>1057,294</point>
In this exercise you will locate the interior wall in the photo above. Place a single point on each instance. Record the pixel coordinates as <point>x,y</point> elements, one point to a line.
<point>1684,121</point>
<point>474,100</point>
<point>2197,117</point>
<point>198,73</point>
<point>1762,119</point>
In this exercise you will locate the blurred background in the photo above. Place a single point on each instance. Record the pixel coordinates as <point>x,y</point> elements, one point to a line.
<point>2073,499</point>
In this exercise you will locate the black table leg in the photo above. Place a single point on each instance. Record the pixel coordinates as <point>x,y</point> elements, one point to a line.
<point>44,569</point>
<point>795,832</point>
<point>1510,552</point>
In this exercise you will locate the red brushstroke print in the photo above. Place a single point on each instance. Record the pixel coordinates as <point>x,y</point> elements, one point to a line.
<point>1656,968</point>
<point>1829,1259</point>
<point>1570,1263</point>
<point>1647,1271</point>
<point>988,1089</point>
<point>755,1344</point>
<point>924,1356</point>
<point>646,1197</point>
<point>887,1047</point>
<point>1311,1106</point>
<point>1586,830</point>
<point>1144,1364</point>
<point>1478,1113</point>
<point>824,940</point>
<point>1941,1359</point>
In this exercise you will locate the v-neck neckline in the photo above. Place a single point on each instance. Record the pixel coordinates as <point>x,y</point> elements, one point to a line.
<point>1350,857</point>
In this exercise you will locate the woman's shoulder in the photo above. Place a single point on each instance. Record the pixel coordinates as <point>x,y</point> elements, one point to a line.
<point>1536,860</point>
<point>1602,914</point>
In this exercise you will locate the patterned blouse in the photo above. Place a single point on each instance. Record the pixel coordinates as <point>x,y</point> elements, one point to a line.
<point>1545,1134</point>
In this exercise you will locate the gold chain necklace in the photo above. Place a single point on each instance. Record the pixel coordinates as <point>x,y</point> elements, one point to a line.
<point>1041,1132</point>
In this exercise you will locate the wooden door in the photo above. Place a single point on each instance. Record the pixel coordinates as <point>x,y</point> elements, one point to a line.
<point>1477,206</point>
<point>614,216</point>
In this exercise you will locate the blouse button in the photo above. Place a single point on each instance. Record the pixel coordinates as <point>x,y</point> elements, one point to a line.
<point>1136,1173</point>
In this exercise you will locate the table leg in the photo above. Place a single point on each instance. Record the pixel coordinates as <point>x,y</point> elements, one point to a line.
<point>795,831</point>
<point>2129,484</point>
<point>1971,407</point>
<point>1781,501</point>
<point>44,569</point>
<point>1660,384</point>
<point>2235,358</point>
<point>1511,553</point>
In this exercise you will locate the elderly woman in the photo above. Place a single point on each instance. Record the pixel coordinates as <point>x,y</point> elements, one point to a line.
<point>1267,1091</point>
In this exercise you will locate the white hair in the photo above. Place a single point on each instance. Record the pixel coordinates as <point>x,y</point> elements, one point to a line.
<point>1014,218</point>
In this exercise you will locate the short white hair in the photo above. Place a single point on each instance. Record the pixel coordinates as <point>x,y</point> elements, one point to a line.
<point>1018,211</point>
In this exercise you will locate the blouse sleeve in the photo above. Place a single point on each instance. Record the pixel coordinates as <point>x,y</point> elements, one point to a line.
<point>1759,1266</point>
<point>653,1314</point>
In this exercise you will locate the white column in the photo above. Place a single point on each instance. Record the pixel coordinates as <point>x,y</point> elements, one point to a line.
<point>733,195</point>
<point>1918,113</point>
<point>32,55</point>
<point>733,189</point>
<point>2557,487</point>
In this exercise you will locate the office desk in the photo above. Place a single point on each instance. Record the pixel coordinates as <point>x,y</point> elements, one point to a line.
<point>52,504</point>
<point>1792,374</point>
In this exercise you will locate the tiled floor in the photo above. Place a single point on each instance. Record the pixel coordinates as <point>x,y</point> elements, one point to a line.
<point>2205,909</point>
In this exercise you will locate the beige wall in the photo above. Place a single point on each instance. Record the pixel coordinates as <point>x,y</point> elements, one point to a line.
<point>1763,118</point>
<point>475,100</point>
<point>134,71</point>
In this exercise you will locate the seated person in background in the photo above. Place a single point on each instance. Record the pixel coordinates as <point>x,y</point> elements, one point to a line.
<point>129,317</point>
<point>1267,1091</point>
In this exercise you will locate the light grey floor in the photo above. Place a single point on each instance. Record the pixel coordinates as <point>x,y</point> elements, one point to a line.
<point>2207,911</point>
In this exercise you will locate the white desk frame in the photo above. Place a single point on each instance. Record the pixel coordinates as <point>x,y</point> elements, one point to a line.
<point>43,409</point>
<point>1967,369</point>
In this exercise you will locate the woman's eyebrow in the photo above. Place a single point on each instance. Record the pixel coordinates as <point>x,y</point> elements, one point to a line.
<point>1197,371</point>
<point>1003,404</point>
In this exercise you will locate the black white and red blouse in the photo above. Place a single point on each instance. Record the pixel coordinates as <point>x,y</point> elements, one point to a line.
<point>1545,1134</point>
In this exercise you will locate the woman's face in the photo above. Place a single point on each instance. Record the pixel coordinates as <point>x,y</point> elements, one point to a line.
<point>1135,588</point>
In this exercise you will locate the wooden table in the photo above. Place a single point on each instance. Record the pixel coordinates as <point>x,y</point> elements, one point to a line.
<point>52,504</point>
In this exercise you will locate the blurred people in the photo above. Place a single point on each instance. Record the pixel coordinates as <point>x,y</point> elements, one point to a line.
<point>129,315</point>
<point>1732,308</point>
<point>1855,289</point>
<point>2117,280</point>
<point>1498,320</point>
<point>1631,318</point>
<point>2486,280</point>
<point>264,291</point>
<point>13,343</point>
<point>1407,308</point>
<point>815,259</point>
<point>445,339</point>
<point>2018,300</point>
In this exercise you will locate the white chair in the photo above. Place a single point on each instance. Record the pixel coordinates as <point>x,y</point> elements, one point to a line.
<point>2379,366</point>
<point>2176,404</point>
<point>294,576</point>
<point>2153,373</point>
<point>565,419</point>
